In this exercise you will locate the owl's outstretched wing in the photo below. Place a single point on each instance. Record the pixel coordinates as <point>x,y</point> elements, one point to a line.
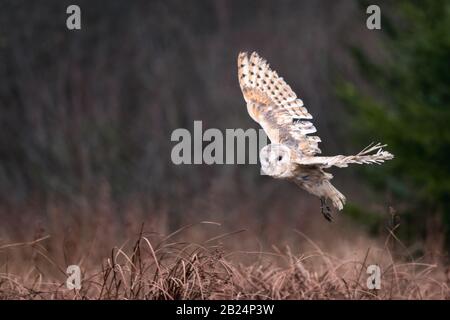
<point>272,103</point>
<point>372,154</point>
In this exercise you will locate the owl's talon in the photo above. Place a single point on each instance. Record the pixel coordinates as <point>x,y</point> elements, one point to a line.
<point>325,209</point>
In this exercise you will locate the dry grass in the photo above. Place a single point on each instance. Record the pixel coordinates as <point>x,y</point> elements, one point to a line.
<point>165,267</point>
<point>122,258</point>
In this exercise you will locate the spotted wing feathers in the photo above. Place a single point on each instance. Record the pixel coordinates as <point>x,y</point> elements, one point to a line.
<point>275,106</point>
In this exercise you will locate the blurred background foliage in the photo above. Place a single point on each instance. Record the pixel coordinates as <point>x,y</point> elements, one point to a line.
<point>407,107</point>
<point>93,110</point>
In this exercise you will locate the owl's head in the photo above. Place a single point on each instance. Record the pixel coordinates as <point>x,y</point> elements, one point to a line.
<point>276,161</point>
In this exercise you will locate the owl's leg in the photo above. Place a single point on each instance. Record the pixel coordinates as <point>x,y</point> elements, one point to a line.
<point>325,209</point>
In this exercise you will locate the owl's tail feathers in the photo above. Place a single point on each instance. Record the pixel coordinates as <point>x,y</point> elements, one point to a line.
<point>337,198</point>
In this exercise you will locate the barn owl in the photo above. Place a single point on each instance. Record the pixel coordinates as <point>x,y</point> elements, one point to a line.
<point>292,152</point>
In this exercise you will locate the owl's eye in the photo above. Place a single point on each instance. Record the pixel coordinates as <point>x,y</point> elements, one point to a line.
<point>280,158</point>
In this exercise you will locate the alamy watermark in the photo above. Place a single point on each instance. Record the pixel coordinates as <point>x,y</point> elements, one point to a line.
<point>236,146</point>
<point>73,21</point>
<point>231,146</point>
<point>374,20</point>
<point>374,280</point>
<point>73,277</point>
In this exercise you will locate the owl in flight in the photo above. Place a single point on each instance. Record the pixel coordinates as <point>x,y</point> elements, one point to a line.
<point>292,152</point>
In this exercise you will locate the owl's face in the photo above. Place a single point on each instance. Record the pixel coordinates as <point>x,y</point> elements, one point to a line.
<point>276,161</point>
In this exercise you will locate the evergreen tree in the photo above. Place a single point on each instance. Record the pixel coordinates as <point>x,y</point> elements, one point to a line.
<point>408,108</point>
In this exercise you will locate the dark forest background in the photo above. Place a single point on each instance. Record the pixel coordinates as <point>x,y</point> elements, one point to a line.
<point>86,116</point>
